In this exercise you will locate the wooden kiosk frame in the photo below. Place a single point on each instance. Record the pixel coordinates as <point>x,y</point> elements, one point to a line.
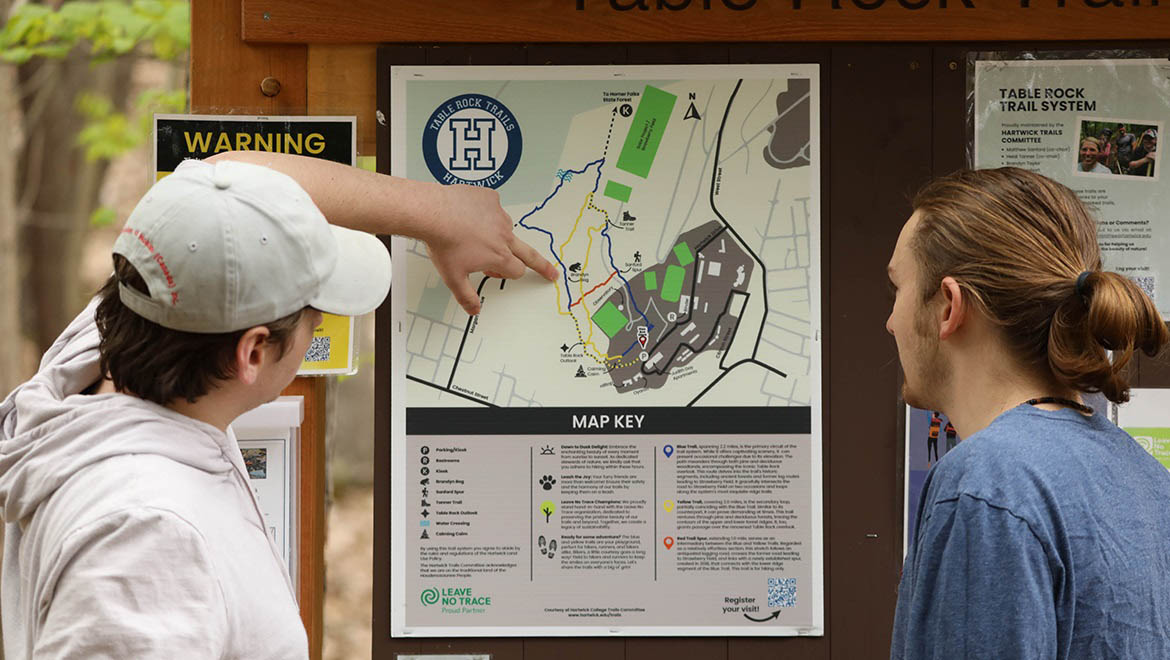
<point>893,76</point>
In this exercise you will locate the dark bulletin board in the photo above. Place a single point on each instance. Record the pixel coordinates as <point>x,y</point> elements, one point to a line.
<point>892,116</point>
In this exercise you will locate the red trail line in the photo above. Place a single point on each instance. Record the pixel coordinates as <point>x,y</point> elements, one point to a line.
<point>594,289</point>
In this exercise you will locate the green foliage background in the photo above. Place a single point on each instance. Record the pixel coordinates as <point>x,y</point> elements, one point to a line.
<point>160,29</point>
<point>1093,128</point>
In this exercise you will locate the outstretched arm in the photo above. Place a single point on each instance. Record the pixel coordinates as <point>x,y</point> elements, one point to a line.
<point>465,228</point>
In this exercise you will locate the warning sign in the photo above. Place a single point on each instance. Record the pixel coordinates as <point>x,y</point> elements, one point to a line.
<point>179,137</point>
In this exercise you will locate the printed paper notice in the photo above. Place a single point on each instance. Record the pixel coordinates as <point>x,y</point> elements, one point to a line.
<point>1095,126</point>
<point>268,475</point>
<point>929,437</point>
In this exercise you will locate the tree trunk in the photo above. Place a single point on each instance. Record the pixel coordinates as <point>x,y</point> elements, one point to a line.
<point>12,367</point>
<point>11,338</point>
<point>57,188</point>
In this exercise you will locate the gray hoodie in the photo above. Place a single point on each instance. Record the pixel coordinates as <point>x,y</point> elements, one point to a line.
<point>130,529</point>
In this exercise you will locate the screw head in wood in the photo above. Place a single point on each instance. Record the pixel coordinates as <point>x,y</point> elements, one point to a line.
<point>270,86</point>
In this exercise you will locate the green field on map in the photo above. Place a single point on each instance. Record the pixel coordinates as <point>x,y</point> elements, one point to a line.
<point>618,191</point>
<point>646,131</point>
<point>609,319</point>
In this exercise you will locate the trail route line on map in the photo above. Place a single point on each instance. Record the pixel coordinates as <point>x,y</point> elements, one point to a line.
<point>682,243</point>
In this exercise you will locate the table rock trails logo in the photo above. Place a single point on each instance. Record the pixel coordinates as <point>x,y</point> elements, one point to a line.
<point>472,139</point>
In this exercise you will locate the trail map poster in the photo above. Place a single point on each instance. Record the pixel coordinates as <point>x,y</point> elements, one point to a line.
<point>1095,126</point>
<point>634,449</point>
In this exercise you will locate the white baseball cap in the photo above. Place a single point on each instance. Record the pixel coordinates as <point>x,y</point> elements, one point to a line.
<point>226,246</point>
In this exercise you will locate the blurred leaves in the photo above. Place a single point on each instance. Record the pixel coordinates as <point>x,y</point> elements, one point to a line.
<point>108,133</point>
<point>103,216</point>
<point>109,27</point>
<point>160,29</point>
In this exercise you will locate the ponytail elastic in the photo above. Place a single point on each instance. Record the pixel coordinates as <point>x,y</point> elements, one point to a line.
<point>1082,290</point>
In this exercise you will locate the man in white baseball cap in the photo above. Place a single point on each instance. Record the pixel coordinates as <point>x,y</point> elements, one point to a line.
<point>131,530</point>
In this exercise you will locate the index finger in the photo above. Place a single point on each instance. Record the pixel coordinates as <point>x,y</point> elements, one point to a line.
<point>461,288</point>
<point>533,260</point>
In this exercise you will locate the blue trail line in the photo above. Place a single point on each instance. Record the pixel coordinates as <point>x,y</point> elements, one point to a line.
<point>630,348</point>
<point>551,238</point>
<point>605,233</point>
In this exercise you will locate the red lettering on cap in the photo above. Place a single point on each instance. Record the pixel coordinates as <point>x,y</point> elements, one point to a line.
<point>141,239</point>
<point>166,272</point>
<point>158,258</point>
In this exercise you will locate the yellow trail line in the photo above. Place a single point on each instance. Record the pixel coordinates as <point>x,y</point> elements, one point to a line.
<point>561,252</point>
<point>589,251</point>
<point>585,343</point>
<point>605,364</point>
<point>576,222</point>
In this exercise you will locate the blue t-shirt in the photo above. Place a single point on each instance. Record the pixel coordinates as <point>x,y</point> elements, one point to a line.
<point>1045,535</point>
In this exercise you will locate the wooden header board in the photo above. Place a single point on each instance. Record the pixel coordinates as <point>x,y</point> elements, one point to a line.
<point>426,21</point>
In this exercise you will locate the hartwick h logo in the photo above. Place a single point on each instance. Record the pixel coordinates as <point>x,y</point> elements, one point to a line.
<point>472,139</point>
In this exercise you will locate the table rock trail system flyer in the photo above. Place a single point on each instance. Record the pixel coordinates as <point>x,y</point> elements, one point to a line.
<point>1093,125</point>
<point>633,449</point>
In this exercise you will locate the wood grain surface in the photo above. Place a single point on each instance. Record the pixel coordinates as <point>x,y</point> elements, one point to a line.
<point>342,80</point>
<point>311,518</point>
<point>425,21</point>
<point>226,72</point>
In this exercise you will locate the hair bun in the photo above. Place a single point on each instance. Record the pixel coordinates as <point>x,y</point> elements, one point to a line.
<point>1118,317</point>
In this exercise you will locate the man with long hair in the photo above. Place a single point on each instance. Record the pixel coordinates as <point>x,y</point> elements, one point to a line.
<point>1045,533</point>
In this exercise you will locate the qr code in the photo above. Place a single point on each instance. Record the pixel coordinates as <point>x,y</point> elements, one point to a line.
<point>318,350</point>
<point>1147,283</point>
<point>781,592</point>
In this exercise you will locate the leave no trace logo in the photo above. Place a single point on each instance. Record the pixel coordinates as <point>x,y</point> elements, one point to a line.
<point>429,596</point>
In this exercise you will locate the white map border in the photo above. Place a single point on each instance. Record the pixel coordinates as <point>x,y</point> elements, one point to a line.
<point>398,152</point>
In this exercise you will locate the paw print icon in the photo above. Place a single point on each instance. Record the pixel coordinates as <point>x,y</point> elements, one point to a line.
<point>546,482</point>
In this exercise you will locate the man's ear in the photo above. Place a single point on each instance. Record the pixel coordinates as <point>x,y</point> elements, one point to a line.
<point>954,308</point>
<point>251,354</point>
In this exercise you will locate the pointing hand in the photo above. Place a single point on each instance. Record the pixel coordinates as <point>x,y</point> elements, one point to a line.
<point>471,233</point>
